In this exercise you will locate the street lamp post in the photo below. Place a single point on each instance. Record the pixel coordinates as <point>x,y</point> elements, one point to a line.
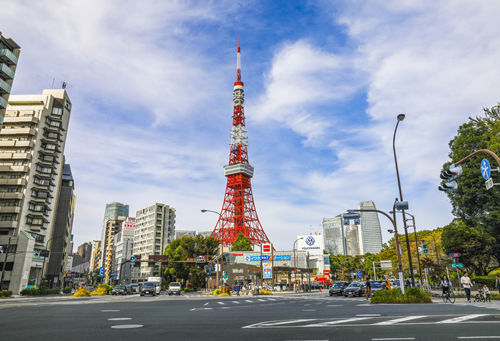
<point>295,256</point>
<point>401,117</point>
<point>221,251</point>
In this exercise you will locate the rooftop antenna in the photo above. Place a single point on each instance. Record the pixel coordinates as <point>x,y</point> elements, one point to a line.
<point>53,80</point>
<point>64,85</point>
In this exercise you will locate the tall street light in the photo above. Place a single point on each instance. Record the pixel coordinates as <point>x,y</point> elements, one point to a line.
<point>295,255</point>
<point>401,117</point>
<point>221,250</point>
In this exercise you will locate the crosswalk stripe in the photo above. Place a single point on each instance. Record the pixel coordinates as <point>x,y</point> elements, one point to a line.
<point>221,303</point>
<point>462,318</point>
<point>236,302</point>
<point>261,300</point>
<point>329,323</point>
<point>402,319</point>
<point>271,299</point>
<point>249,301</point>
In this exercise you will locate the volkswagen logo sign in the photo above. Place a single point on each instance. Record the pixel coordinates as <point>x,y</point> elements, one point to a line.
<point>310,240</point>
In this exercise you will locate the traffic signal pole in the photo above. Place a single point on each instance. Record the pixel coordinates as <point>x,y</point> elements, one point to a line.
<point>487,151</point>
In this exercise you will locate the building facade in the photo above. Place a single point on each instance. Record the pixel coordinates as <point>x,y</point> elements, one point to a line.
<point>333,232</point>
<point>63,226</point>
<point>124,241</point>
<point>371,233</point>
<point>155,229</point>
<point>112,212</point>
<point>32,140</point>
<point>184,233</point>
<point>353,240</point>
<point>9,54</point>
<point>113,227</point>
<point>96,255</point>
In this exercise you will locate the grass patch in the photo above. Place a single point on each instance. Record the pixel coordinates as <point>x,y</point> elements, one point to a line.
<point>411,295</point>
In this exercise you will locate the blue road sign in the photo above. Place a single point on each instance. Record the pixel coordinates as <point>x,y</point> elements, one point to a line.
<point>210,266</point>
<point>133,259</point>
<point>101,271</point>
<point>359,273</point>
<point>115,276</point>
<point>485,169</point>
<point>282,257</point>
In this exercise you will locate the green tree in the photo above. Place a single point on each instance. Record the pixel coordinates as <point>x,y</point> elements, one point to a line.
<point>241,243</point>
<point>473,243</point>
<point>472,203</point>
<point>181,250</point>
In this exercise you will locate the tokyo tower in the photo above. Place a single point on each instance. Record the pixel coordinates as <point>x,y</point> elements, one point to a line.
<point>238,214</point>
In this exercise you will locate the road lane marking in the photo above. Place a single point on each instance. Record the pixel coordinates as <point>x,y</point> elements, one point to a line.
<point>368,315</point>
<point>221,303</point>
<point>478,337</point>
<point>462,318</point>
<point>236,302</point>
<point>196,309</point>
<point>402,319</point>
<point>261,300</point>
<point>308,309</point>
<point>249,301</point>
<point>330,323</point>
<point>206,304</point>
<point>275,323</point>
<point>109,311</point>
<point>127,326</point>
<point>271,299</point>
<point>119,318</point>
<point>335,305</point>
<point>393,338</point>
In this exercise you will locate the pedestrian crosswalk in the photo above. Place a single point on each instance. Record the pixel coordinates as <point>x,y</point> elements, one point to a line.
<point>378,321</point>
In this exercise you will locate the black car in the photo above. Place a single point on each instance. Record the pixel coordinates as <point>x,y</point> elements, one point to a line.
<point>355,289</point>
<point>119,290</point>
<point>148,288</point>
<point>376,286</point>
<point>338,288</point>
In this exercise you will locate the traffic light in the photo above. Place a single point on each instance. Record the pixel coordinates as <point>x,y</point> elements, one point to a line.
<point>449,176</point>
<point>424,249</point>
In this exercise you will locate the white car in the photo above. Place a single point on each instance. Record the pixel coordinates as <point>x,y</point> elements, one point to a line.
<point>174,288</point>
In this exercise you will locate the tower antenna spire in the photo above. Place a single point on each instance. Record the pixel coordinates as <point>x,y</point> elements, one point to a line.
<point>238,63</point>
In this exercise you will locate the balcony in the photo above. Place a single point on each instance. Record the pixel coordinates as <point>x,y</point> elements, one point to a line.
<point>11,195</point>
<point>15,182</point>
<point>6,72</point>
<point>8,224</point>
<point>4,87</point>
<point>20,119</point>
<point>10,209</point>
<point>20,169</point>
<point>8,57</point>
<point>3,103</point>
<point>15,156</point>
<point>17,131</point>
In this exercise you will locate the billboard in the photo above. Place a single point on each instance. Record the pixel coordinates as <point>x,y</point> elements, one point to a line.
<point>314,244</point>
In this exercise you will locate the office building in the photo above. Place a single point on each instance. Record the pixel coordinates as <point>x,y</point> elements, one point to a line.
<point>123,247</point>
<point>112,228</point>
<point>112,212</point>
<point>333,232</point>
<point>371,233</point>
<point>96,255</point>
<point>9,54</point>
<point>85,251</point>
<point>353,240</point>
<point>32,141</point>
<point>63,226</point>
<point>154,230</point>
<point>184,233</point>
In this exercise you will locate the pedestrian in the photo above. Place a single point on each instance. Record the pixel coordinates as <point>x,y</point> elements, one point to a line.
<point>368,291</point>
<point>467,284</point>
<point>497,283</point>
<point>237,288</point>
<point>486,291</point>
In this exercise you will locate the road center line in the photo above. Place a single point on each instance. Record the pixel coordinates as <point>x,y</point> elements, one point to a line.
<point>402,319</point>
<point>109,311</point>
<point>462,318</point>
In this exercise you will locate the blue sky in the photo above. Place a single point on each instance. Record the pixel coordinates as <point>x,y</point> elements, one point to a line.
<point>151,85</point>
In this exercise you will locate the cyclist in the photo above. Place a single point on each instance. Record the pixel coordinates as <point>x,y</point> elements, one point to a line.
<point>446,285</point>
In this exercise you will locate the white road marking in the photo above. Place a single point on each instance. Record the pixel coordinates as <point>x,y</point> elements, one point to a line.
<point>402,319</point>
<point>277,323</point>
<point>221,303</point>
<point>478,337</point>
<point>368,315</point>
<point>260,300</point>
<point>335,305</point>
<point>309,310</point>
<point>462,318</point>
<point>119,319</point>
<point>249,301</point>
<point>236,302</point>
<point>329,323</point>
<point>127,326</point>
<point>271,299</point>
<point>196,309</point>
<point>393,338</point>
<point>206,304</point>
<point>109,311</point>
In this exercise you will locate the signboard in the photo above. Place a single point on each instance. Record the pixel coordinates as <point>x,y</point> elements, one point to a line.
<point>267,270</point>
<point>267,248</point>
<point>282,257</point>
<point>101,271</point>
<point>210,266</point>
<point>200,260</point>
<point>489,183</point>
<point>115,276</point>
<point>314,244</point>
<point>133,259</point>
<point>326,272</point>
<point>457,265</point>
<point>485,169</point>
<point>454,255</point>
<point>158,258</point>
<point>359,273</point>
<point>386,264</point>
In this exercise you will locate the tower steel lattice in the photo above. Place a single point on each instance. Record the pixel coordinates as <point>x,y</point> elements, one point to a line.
<point>238,214</point>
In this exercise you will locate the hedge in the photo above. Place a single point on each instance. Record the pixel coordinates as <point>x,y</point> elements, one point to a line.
<point>39,292</point>
<point>5,293</point>
<point>481,280</point>
<point>67,290</point>
<point>411,295</point>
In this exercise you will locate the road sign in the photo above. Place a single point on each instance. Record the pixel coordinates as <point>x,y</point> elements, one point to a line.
<point>282,257</point>
<point>115,276</point>
<point>133,259</point>
<point>326,272</point>
<point>386,264</point>
<point>200,260</point>
<point>359,273</point>
<point>267,248</point>
<point>485,169</point>
<point>457,265</point>
<point>454,255</point>
<point>101,271</point>
<point>264,257</point>
<point>489,183</point>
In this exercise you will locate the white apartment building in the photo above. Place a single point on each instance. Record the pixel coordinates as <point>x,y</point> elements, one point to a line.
<point>333,232</point>
<point>32,140</point>
<point>154,230</point>
<point>371,241</point>
<point>123,247</point>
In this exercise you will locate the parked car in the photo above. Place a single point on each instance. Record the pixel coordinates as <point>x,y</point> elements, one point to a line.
<point>376,286</point>
<point>119,290</point>
<point>148,288</point>
<point>355,289</point>
<point>174,288</point>
<point>338,288</point>
<point>129,288</point>
<point>395,283</point>
<point>134,288</point>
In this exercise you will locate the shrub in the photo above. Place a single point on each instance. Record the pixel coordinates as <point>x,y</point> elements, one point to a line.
<point>39,292</point>
<point>5,293</point>
<point>189,289</point>
<point>265,292</point>
<point>481,280</point>
<point>411,295</point>
<point>81,292</point>
<point>102,289</point>
<point>66,290</point>
<point>216,292</point>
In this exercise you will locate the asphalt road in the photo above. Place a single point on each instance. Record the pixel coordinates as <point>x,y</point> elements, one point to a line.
<point>291,317</point>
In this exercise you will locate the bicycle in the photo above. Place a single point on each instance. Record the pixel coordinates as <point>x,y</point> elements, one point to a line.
<point>448,297</point>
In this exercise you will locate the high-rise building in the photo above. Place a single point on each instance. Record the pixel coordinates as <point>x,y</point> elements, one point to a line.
<point>353,240</point>
<point>124,241</point>
<point>333,232</point>
<point>85,251</point>
<point>112,212</point>
<point>63,226</point>
<point>371,233</point>
<point>9,54</point>
<point>112,228</point>
<point>32,141</point>
<point>154,230</point>
<point>184,233</point>
<point>96,255</point>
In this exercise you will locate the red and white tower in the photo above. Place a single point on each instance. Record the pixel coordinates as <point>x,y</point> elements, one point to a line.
<point>238,214</point>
